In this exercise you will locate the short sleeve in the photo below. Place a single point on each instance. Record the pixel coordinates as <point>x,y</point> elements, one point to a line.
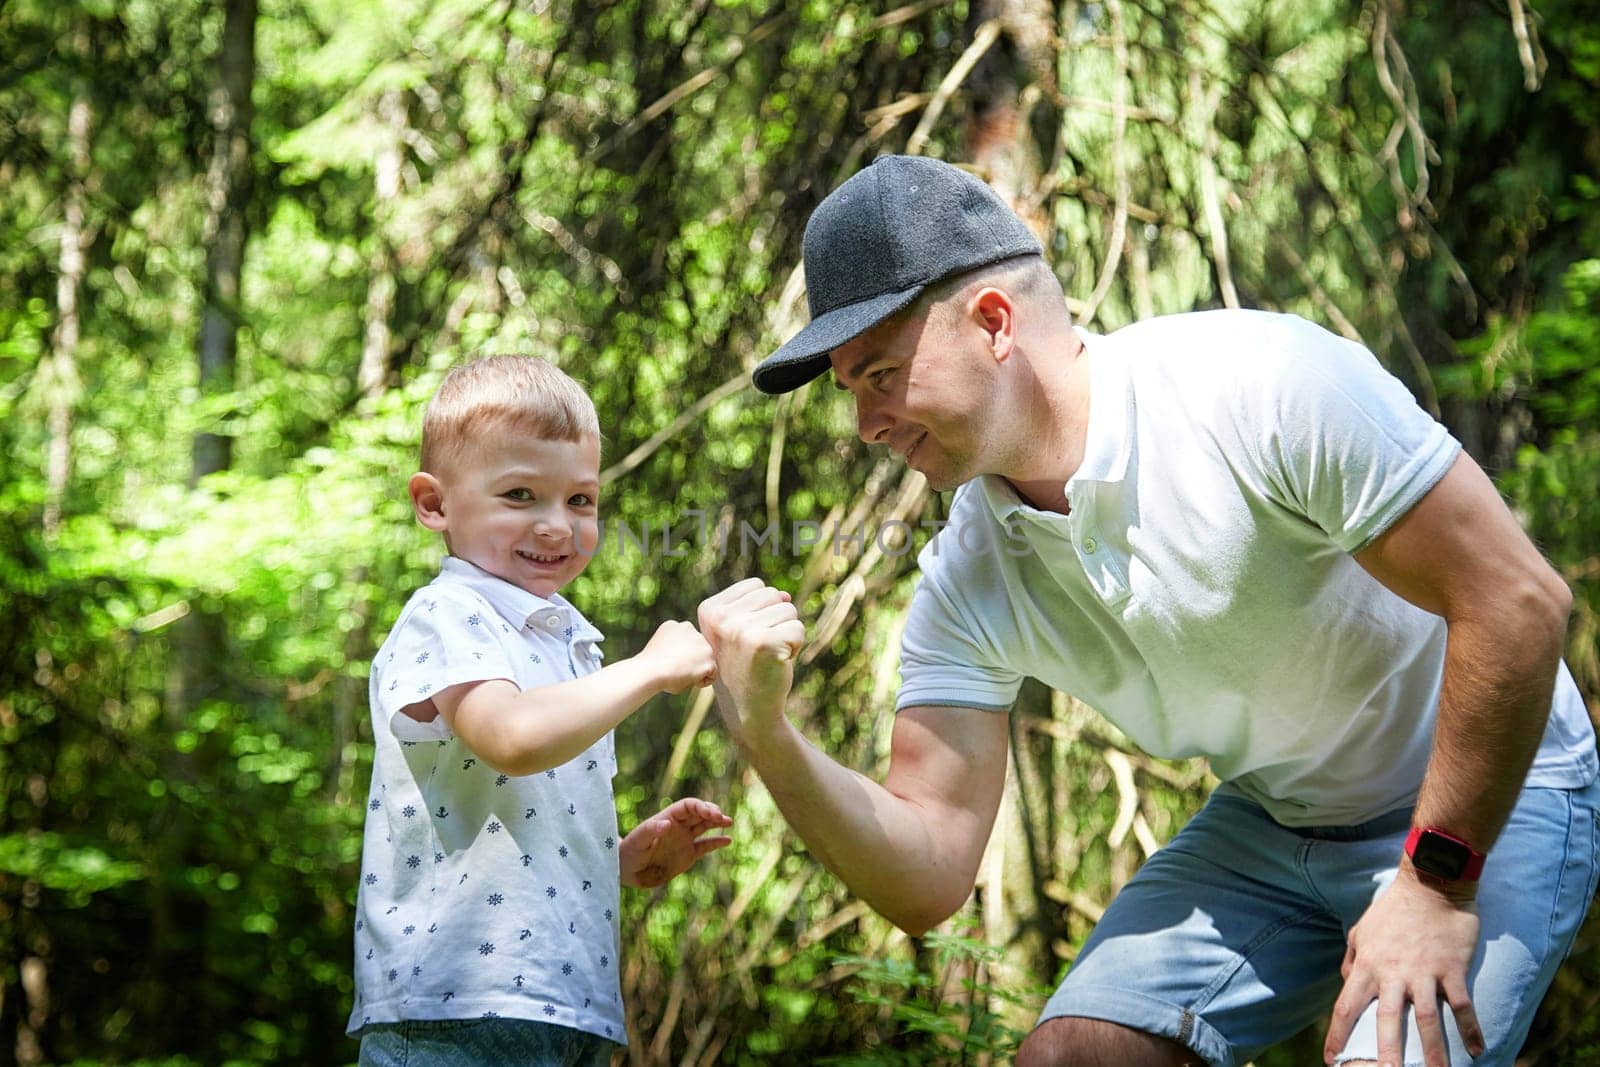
<point>1339,439</point>
<point>440,640</point>
<point>944,660</point>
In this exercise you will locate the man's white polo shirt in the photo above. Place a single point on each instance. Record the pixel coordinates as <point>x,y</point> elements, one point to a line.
<point>481,894</point>
<point>1201,594</point>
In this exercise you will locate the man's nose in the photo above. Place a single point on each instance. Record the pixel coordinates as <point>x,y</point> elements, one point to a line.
<point>871,421</point>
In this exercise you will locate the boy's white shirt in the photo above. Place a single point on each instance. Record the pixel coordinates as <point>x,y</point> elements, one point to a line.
<point>484,895</point>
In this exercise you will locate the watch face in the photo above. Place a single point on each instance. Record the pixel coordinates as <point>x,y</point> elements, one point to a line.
<point>1440,856</point>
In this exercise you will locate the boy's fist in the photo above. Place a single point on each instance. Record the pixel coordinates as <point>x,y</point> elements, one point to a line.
<point>680,656</point>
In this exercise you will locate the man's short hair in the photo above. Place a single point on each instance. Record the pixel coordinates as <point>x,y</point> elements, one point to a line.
<point>1026,278</point>
<point>498,394</point>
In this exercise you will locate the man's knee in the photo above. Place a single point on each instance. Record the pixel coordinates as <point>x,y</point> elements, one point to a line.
<point>1069,1041</point>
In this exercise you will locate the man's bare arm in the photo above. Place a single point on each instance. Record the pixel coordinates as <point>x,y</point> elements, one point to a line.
<point>1461,555</point>
<point>909,847</point>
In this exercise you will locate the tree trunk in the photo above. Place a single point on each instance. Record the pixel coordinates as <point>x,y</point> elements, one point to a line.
<point>65,384</point>
<point>200,638</point>
<point>227,194</point>
<point>378,340</point>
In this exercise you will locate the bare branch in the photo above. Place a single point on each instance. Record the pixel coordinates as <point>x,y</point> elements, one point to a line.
<point>633,459</point>
<point>986,36</point>
<point>1527,42</point>
<point>693,84</point>
<point>1119,162</point>
<point>1211,202</point>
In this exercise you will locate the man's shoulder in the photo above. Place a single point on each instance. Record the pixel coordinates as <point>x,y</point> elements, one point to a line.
<point>1192,338</point>
<point>1229,362</point>
<point>968,549</point>
<point>1240,323</point>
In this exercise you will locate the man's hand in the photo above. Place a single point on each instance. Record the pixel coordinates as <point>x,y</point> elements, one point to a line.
<point>756,633</point>
<point>680,656</point>
<point>1412,947</point>
<point>669,842</point>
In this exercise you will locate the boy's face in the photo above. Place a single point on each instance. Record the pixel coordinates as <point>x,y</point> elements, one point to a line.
<point>523,508</point>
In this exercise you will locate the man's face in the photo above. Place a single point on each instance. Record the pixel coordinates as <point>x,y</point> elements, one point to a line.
<point>523,508</point>
<point>921,387</point>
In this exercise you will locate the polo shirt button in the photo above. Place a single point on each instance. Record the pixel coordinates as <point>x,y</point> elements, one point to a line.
<point>1090,544</point>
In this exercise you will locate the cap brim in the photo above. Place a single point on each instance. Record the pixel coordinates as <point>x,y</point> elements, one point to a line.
<point>805,355</point>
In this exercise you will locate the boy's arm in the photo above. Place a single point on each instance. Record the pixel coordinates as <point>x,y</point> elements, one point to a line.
<point>524,731</point>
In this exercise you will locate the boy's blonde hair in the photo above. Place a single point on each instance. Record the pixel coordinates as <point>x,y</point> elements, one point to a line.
<point>497,393</point>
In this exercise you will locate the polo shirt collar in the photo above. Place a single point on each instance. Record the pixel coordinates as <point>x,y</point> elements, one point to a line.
<point>1107,442</point>
<point>515,603</point>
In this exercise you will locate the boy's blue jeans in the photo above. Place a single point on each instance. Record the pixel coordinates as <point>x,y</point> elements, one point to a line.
<point>482,1043</point>
<point>1229,940</point>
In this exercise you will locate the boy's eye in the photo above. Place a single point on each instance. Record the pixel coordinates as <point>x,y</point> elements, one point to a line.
<point>581,500</point>
<point>880,378</point>
<point>522,495</point>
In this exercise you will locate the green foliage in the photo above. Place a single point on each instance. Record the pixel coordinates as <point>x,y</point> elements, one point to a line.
<point>932,1021</point>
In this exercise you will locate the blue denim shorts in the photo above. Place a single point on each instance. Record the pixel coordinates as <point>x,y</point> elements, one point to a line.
<point>1229,939</point>
<point>482,1043</point>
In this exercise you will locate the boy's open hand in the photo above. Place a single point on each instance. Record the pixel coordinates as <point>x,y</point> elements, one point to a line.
<point>669,842</point>
<point>680,656</point>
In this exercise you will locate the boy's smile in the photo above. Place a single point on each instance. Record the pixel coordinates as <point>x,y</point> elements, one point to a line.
<point>523,508</point>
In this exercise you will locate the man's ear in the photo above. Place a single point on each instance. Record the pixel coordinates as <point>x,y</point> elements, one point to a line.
<point>995,312</point>
<point>427,500</point>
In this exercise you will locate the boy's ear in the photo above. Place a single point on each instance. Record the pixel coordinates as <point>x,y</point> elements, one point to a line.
<point>427,500</point>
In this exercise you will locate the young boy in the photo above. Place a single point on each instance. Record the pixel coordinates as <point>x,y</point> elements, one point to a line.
<point>486,927</point>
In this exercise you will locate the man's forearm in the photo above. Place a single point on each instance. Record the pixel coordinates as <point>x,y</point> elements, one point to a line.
<point>1493,706</point>
<point>882,846</point>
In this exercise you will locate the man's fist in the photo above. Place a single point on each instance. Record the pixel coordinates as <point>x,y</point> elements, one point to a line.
<point>756,634</point>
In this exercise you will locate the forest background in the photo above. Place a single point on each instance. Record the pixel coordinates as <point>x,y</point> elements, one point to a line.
<point>239,245</point>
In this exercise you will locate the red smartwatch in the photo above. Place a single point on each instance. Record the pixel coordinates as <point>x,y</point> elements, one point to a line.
<point>1438,854</point>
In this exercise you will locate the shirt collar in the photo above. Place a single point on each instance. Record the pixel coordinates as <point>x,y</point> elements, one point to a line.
<point>1106,442</point>
<point>998,494</point>
<point>516,604</point>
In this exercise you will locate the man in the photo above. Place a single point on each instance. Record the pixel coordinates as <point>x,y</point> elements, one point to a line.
<point>1240,539</point>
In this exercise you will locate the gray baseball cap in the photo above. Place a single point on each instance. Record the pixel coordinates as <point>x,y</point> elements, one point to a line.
<point>880,239</point>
